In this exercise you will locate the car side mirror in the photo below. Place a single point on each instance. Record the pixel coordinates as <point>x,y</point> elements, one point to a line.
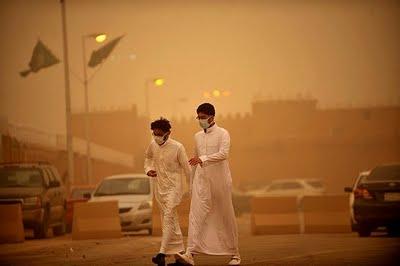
<point>87,196</point>
<point>348,189</point>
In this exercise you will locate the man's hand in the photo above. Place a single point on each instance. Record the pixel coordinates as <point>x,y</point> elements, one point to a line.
<point>195,161</point>
<point>152,173</point>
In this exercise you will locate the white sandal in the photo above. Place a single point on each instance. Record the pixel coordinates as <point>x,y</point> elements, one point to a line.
<point>235,260</point>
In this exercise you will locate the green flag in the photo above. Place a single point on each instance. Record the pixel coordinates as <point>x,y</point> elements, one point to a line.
<point>42,57</point>
<point>103,52</point>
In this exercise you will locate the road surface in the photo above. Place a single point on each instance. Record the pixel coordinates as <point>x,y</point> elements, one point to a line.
<point>137,249</point>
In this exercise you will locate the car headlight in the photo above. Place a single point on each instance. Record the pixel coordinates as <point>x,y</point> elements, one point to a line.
<point>145,205</point>
<point>32,202</point>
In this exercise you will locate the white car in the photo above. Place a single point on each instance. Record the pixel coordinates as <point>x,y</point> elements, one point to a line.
<point>294,187</point>
<point>256,192</point>
<point>134,195</point>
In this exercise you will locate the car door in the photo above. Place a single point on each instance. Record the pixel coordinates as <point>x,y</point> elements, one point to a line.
<point>58,196</point>
<point>52,192</point>
<point>48,202</point>
<point>62,192</point>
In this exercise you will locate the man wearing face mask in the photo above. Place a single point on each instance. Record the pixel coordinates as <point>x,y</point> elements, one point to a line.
<point>212,222</point>
<point>166,161</point>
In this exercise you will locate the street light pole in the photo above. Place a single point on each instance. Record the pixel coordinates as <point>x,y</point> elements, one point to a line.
<point>86,120</point>
<point>70,152</point>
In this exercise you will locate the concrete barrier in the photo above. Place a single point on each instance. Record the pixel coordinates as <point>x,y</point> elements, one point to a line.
<point>11,224</point>
<point>96,220</point>
<point>183,213</point>
<point>274,215</point>
<point>326,214</point>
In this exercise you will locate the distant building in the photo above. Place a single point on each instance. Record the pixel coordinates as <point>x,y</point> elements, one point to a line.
<point>279,139</point>
<point>122,130</point>
<point>20,143</point>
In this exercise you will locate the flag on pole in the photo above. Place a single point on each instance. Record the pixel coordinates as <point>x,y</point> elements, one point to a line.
<point>99,55</point>
<point>42,57</point>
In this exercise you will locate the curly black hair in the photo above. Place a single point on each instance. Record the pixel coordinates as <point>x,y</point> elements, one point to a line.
<point>162,124</point>
<point>206,108</point>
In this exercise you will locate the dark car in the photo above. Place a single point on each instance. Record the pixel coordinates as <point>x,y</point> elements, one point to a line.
<point>38,188</point>
<point>377,201</point>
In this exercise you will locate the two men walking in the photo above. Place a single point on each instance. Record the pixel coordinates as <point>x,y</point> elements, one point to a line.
<point>212,224</point>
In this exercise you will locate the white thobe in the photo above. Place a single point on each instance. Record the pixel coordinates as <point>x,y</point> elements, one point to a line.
<point>171,164</point>
<point>212,222</point>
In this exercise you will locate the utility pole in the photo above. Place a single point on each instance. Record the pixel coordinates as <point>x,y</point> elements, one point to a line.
<point>87,126</point>
<point>70,169</point>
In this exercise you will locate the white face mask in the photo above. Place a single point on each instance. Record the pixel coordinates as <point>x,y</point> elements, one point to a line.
<point>204,124</point>
<point>160,140</point>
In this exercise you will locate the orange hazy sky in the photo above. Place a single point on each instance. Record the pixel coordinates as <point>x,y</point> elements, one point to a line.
<point>340,52</point>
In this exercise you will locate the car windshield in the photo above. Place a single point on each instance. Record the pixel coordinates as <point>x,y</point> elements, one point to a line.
<point>78,193</point>
<point>20,177</point>
<point>285,186</point>
<point>389,172</point>
<point>315,184</point>
<point>274,187</point>
<point>361,179</point>
<point>124,186</point>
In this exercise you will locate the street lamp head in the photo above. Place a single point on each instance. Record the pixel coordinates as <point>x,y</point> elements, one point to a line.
<point>216,93</point>
<point>158,82</point>
<point>101,38</point>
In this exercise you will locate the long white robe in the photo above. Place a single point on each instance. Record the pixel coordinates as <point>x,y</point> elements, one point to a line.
<point>171,164</point>
<point>212,222</point>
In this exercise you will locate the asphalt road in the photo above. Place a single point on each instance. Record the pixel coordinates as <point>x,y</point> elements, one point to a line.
<point>137,249</point>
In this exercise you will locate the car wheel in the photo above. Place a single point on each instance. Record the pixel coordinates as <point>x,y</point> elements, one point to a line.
<point>393,231</point>
<point>59,230</point>
<point>68,228</point>
<point>364,231</point>
<point>41,230</point>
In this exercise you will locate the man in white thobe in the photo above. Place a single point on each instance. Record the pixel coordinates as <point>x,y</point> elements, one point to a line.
<point>166,161</point>
<point>212,222</point>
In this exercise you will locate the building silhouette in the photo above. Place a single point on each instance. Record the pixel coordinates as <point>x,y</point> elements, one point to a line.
<point>290,138</point>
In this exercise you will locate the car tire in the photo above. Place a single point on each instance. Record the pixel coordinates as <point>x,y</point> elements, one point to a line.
<point>393,231</point>
<point>364,231</point>
<point>41,230</point>
<point>59,230</point>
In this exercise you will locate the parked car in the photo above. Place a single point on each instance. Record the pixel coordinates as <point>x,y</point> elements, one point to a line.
<point>355,189</point>
<point>37,186</point>
<point>294,187</point>
<point>254,192</point>
<point>377,201</point>
<point>134,195</point>
<point>77,195</point>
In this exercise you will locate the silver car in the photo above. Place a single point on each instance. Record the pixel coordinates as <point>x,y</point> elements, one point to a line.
<point>134,195</point>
